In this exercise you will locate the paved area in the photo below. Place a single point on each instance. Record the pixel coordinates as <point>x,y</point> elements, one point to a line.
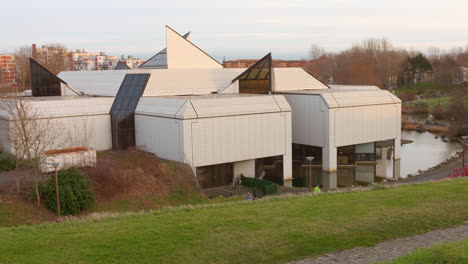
<point>391,249</point>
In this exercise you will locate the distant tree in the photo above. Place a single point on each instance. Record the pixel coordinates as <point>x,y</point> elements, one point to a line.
<point>316,51</point>
<point>446,71</point>
<point>57,59</point>
<point>413,68</point>
<point>30,135</point>
<point>22,55</point>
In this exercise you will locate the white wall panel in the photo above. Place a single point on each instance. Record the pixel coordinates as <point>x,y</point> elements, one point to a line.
<point>357,125</point>
<point>92,131</point>
<point>307,119</point>
<point>229,139</point>
<point>246,168</point>
<point>161,136</point>
<point>5,135</point>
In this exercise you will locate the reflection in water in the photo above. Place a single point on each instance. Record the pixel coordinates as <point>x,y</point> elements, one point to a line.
<point>425,152</point>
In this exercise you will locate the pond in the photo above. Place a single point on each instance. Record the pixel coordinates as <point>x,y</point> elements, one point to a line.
<point>425,152</point>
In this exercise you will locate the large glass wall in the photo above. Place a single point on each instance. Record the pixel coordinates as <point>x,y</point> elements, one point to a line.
<point>44,82</point>
<point>123,110</point>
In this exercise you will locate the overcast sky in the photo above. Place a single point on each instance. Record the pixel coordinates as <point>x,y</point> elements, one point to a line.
<point>236,28</point>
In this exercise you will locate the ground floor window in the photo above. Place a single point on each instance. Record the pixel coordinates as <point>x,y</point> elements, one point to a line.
<point>346,155</point>
<point>215,175</point>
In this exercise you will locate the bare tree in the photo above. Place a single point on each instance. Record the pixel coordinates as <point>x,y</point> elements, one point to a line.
<point>22,55</point>
<point>316,51</point>
<point>30,135</point>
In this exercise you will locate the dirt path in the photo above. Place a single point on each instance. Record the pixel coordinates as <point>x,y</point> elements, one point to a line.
<point>391,249</point>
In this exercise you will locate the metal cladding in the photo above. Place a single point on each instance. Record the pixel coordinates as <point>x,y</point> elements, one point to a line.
<point>123,110</point>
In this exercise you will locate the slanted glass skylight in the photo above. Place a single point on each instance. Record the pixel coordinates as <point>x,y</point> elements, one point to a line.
<point>257,78</point>
<point>44,82</point>
<point>123,110</point>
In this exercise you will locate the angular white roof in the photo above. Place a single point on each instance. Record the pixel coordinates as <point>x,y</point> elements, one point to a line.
<point>336,98</point>
<point>355,87</point>
<point>181,53</point>
<point>98,83</point>
<point>63,106</point>
<point>190,107</point>
<point>287,79</point>
<point>189,81</point>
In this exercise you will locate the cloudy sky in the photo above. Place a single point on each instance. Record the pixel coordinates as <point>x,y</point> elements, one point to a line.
<point>234,29</point>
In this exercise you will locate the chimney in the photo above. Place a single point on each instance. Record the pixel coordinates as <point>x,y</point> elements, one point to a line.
<point>34,51</point>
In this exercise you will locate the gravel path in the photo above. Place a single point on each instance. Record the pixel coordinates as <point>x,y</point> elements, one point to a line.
<point>392,249</point>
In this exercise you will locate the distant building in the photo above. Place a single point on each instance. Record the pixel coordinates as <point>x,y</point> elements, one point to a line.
<point>462,74</point>
<point>246,63</point>
<point>81,60</point>
<point>7,72</point>
<point>53,55</point>
<point>85,61</point>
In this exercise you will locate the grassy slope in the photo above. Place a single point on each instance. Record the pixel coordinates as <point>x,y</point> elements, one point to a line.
<point>450,253</point>
<point>263,231</point>
<point>16,210</point>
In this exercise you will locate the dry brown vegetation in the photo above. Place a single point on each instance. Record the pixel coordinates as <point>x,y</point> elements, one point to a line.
<point>134,179</point>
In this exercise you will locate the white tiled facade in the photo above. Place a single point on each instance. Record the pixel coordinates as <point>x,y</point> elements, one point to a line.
<point>215,130</point>
<point>332,119</point>
<point>76,121</point>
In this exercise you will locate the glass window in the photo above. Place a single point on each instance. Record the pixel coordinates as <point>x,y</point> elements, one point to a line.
<point>123,110</point>
<point>44,82</point>
<point>346,155</point>
<point>257,78</point>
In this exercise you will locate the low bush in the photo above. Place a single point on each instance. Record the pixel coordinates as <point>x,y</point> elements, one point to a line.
<point>421,107</point>
<point>7,162</point>
<point>74,190</point>
<point>407,96</point>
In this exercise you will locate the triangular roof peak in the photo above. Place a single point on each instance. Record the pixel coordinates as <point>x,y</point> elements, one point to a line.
<point>159,61</point>
<point>181,53</point>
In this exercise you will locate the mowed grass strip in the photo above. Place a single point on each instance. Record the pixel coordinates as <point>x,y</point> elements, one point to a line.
<point>448,253</point>
<point>273,230</point>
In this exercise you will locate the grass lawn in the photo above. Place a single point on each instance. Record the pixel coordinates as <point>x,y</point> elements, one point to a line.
<point>425,88</point>
<point>450,253</point>
<point>274,230</point>
<point>433,102</point>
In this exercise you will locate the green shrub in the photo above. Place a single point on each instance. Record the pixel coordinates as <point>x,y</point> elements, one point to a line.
<point>7,162</point>
<point>75,194</point>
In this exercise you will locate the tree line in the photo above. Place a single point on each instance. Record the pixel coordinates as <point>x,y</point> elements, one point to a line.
<point>377,62</point>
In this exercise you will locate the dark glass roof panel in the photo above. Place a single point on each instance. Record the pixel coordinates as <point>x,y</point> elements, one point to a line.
<point>123,110</point>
